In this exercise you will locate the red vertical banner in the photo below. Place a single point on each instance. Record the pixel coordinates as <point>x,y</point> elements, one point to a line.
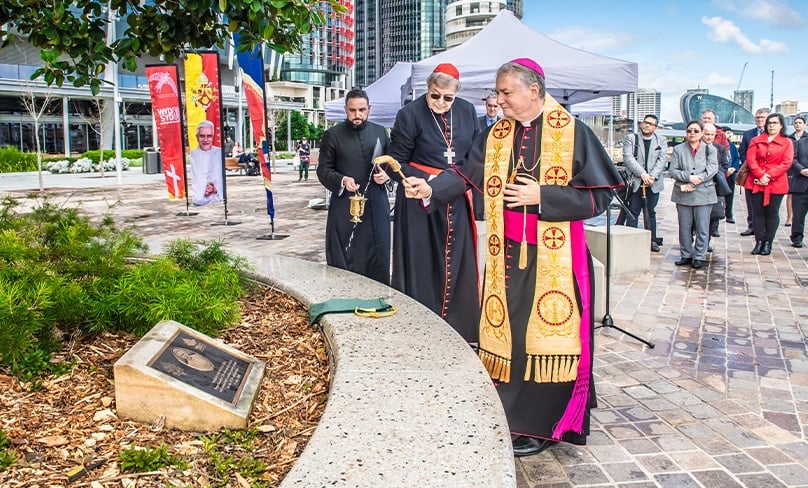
<point>203,106</point>
<point>167,109</point>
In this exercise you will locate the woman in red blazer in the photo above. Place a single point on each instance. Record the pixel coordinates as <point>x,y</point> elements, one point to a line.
<point>769,157</point>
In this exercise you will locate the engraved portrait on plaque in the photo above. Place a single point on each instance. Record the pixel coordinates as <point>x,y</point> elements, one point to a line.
<point>203,365</point>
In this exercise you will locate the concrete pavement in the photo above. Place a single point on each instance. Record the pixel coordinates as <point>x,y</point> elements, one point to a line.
<point>721,401</point>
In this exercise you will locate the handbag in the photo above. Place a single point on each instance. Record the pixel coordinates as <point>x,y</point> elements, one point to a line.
<point>624,193</point>
<point>722,188</point>
<point>717,210</point>
<point>742,174</point>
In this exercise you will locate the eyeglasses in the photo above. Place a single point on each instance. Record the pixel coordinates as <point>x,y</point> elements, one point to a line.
<point>649,123</point>
<point>446,98</point>
<point>693,131</point>
<point>773,122</point>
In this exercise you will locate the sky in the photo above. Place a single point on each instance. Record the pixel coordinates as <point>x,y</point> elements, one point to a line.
<point>679,45</point>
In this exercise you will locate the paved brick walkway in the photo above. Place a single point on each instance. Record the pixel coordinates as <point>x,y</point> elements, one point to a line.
<point>721,401</point>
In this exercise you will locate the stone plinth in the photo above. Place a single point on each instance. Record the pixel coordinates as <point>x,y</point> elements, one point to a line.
<point>195,382</point>
<point>599,293</point>
<point>630,248</point>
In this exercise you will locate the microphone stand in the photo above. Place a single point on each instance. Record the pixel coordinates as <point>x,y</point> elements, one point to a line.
<point>607,320</point>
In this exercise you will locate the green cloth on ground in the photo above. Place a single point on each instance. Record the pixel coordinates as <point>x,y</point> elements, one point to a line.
<point>346,305</point>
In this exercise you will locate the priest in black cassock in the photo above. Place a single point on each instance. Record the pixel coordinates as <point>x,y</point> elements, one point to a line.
<point>346,168</point>
<point>542,173</point>
<point>434,237</point>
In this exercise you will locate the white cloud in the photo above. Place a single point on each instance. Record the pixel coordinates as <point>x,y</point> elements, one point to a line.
<point>716,79</point>
<point>773,46</point>
<point>725,31</point>
<point>595,42</point>
<point>685,56</point>
<point>773,11</point>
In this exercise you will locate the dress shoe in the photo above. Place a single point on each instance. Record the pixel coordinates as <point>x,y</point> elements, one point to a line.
<point>683,261</point>
<point>698,264</point>
<point>796,243</point>
<point>654,247</point>
<point>730,220</point>
<point>758,247</point>
<point>747,232</point>
<point>787,224</point>
<point>714,233</point>
<point>766,248</point>
<point>528,446</point>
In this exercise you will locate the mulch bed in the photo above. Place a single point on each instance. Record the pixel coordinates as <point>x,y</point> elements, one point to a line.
<point>71,420</point>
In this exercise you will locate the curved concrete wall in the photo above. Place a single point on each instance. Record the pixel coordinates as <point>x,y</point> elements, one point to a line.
<point>410,404</point>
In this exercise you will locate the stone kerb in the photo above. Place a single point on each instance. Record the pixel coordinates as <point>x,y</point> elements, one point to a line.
<point>410,404</point>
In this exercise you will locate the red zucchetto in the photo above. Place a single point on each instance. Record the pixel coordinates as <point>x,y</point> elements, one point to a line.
<point>448,69</point>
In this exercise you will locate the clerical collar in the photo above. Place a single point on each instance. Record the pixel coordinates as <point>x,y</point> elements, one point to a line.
<point>530,122</point>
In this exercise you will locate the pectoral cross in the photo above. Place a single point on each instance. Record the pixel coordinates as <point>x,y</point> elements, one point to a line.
<point>449,156</point>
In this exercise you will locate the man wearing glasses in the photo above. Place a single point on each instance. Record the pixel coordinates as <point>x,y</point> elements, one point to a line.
<point>206,167</point>
<point>491,113</point>
<point>434,239</point>
<point>760,122</point>
<point>645,155</point>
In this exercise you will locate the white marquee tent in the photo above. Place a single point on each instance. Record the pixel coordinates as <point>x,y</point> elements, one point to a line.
<point>573,75</point>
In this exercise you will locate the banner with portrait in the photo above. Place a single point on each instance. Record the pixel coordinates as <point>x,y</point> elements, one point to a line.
<point>252,69</point>
<point>167,109</point>
<point>203,106</point>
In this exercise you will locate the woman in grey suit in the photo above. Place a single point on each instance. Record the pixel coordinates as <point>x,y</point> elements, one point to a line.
<point>692,168</point>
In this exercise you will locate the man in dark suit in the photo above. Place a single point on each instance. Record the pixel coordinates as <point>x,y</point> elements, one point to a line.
<point>708,136</point>
<point>491,113</point>
<point>799,189</point>
<point>760,121</point>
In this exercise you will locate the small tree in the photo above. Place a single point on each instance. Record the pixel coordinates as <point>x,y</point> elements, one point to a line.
<point>274,117</point>
<point>72,35</point>
<point>36,105</point>
<point>93,116</point>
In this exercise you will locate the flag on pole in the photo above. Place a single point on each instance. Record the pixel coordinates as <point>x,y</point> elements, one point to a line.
<point>167,109</point>
<point>203,107</point>
<point>252,69</point>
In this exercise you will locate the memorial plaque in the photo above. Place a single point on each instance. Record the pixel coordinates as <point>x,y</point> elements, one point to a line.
<point>192,381</point>
<point>203,365</point>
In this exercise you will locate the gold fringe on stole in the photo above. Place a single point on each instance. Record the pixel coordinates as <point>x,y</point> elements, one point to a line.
<point>553,328</point>
<point>528,368</point>
<point>552,369</point>
<point>498,368</point>
<point>495,326</point>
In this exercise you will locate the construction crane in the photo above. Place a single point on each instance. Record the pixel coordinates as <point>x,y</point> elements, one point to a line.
<point>743,70</point>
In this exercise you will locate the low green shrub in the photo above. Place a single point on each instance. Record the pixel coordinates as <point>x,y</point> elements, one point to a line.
<point>95,155</point>
<point>143,459</point>
<point>60,275</point>
<point>230,453</point>
<point>7,456</point>
<point>14,161</point>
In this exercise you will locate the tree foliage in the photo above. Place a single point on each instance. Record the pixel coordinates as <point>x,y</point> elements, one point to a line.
<point>72,35</point>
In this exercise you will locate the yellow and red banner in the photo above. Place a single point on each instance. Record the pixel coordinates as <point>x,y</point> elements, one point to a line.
<point>203,106</point>
<point>167,109</point>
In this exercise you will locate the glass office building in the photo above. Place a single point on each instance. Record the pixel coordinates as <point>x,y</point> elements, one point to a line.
<point>691,105</point>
